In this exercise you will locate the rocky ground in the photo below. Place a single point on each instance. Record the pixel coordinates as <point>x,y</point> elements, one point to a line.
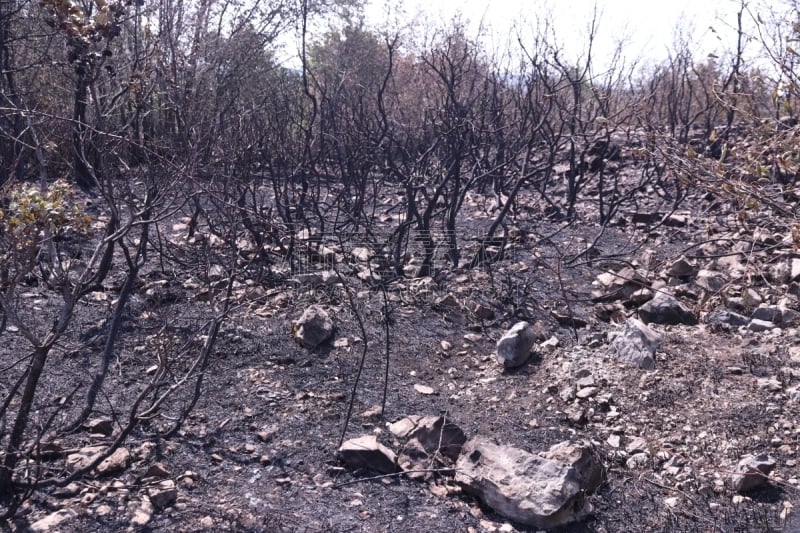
<point>663,409</point>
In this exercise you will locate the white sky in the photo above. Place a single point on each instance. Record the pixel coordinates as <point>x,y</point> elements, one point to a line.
<point>647,25</point>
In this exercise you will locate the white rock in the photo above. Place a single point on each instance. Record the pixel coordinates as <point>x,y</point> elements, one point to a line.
<point>423,389</point>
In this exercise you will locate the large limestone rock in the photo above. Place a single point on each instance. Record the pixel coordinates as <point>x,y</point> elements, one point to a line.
<point>666,309</point>
<point>514,348</point>
<point>636,344</point>
<point>521,486</point>
<point>367,452</point>
<point>314,327</point>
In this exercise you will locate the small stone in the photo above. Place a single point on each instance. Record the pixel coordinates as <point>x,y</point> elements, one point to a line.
<point>752,472</point>
<point>142,514</point>
<point>587,392</point>
<point>52,521</point>
<point>637,444</point>
<point>666,309</point>
<point>423,389</point>
<point>116,462</point>
<point>575,414</point>
<point>723,316</point>
<point>637,460</point>
<point>361,253</point>
<point>267,433</point>
<point>163,494</point>
<point>550,344</point>
<point>373,412</point>
<point>367,452</point>
<point>636,344</point>
<point>760,325</point>
<point>103,510</point>
<point>672,501</point>
<point>514,348</point>
<point>483,312</point>
<point>314,327</point>
<point>711,281</point>
<point>768,313</point>
<point>344,342</point>
<point>770,384</point>
<point>681,269</point>
<point>433,433</point>
<point>157,470</point>
<point>794,269</point>
<point>103,426</point>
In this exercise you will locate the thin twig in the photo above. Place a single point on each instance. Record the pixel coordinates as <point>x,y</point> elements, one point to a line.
<point>396,474</point>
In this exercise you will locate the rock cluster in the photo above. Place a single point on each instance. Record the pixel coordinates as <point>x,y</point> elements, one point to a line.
<point>543,490</point>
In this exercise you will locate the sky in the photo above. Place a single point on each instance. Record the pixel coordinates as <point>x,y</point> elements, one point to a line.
<point>648,26</point>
